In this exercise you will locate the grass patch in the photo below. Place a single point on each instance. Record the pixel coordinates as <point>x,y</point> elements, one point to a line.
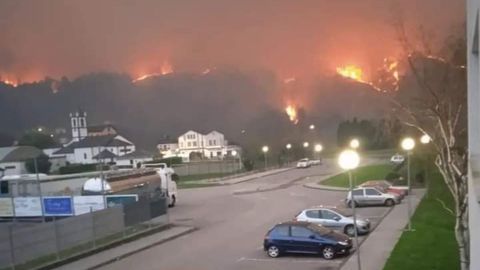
<point>362,174</point>
<point>433,244</point>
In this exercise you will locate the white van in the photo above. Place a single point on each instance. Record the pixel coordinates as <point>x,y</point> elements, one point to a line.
<point>167,184</point>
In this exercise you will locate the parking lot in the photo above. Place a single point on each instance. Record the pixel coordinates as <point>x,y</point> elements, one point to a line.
<point>232,224</point>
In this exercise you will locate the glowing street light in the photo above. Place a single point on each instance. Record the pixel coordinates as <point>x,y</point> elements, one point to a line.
<point>288,146</point>
<point>349,160</point>
<point>354,143</point>
<point>39,129</point>
<point>312,127</point>
<point>425,139</point>
<point>408,144</point>
<point>265,151</point>
<point>318,148</point>
<point>306,144</point>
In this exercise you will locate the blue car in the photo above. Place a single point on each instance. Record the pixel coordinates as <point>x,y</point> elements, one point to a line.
<point>305,237</point>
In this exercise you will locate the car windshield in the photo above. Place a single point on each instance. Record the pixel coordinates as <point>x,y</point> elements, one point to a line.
<point>319,229</point>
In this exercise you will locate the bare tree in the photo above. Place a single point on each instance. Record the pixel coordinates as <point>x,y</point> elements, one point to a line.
<point>433,99</point>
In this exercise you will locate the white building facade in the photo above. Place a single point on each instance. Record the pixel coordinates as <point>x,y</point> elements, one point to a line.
<point>473,82</point>
<point>195,145</point>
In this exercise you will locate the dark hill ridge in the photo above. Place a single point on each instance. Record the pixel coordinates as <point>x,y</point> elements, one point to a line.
<point>228,101</point>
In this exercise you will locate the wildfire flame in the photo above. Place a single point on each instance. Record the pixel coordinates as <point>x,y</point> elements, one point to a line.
<point>291,111</point>
<point>289,80</point>
<point>387,76</point>
<point>10,82</point>
<point>351,71</point>
<point>165,69</point>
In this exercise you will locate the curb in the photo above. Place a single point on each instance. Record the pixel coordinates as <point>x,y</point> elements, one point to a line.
<point>256,177</point>
<point>88,253</point>
<point>123,256</point>
<point>321,187</point>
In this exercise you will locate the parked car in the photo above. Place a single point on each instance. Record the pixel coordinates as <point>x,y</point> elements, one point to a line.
<point>305,237</point>
<point>303,163</point>
<point>315,162</point>
<point>372,196</point>
<point>335,219</point>
<point>387,186</point>
<point>397,159</point>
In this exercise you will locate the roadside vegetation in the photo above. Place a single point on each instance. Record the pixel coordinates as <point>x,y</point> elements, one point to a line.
<point>200,180</point>
<point>362,174</point>
<point>432,245</point>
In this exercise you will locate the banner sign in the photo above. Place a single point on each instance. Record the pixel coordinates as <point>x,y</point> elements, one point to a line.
<point>115,200</point>
<point>58,206</point>
<point>85,204</point>
<point>6,207</point>
<point>27,206</point>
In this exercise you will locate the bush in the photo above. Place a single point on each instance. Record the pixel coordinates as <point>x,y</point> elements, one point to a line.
<point>392,176</point>
<point>79,168</point>
<point>248,164</point>
<point>43,164</point>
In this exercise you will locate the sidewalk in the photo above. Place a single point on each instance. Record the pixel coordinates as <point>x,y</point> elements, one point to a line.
<point>315,180</point>
<point>376,249</point>
<point>243,178</point>
<point>110,255</point>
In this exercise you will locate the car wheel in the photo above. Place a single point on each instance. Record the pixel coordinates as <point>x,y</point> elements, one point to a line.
<point>174,200</point>
<point>389,202</point>
<point>328,252</point>
<point>350,230</point>
<point>273,251</point>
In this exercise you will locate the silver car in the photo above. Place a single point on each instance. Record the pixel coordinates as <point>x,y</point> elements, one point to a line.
<point>372,196</point>
<point>335,219</point>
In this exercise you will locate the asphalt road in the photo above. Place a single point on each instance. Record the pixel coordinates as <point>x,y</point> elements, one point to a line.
<point>232,221</point>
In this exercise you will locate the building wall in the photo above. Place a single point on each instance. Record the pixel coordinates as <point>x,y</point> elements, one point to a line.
<point>13,168</point>
<point>473,7</point>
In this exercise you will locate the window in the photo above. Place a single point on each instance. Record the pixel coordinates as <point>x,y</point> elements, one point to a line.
<point>358,192</point>
<point>312,214</point>
<point>214,142</point>
<point>84,155</point>
<point>329,215</point>
<point>280,231</point>
<point>371,192</point>
<point>74,122</point>
<point>299,231</point>
<point>194,143</point>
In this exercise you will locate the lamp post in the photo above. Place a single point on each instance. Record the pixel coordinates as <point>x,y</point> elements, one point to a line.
<point>349,160</point>
<point>311,127</point>
<point>318,148</point>
<point>288,146</point>
<point>265,151</point>
<point>235,154</point>
<point>354,143</point>
<point>408,144</point>
<point>425,139</point>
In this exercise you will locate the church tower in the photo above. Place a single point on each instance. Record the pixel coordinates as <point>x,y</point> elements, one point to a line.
<point>78,121</point>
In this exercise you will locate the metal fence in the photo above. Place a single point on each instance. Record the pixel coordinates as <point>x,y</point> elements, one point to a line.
<point>28,243</point>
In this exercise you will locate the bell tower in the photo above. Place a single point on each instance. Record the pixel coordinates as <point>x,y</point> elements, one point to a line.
<point>78,122</point>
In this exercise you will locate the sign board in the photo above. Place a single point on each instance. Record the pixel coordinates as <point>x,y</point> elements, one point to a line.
<point>6,207</point>
<point>85,204</point>
<point>58,206</point>
<point>27,206</point>
<point>115,200</point>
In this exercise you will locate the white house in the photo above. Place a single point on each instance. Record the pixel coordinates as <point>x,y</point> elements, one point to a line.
<point>192,144</point>
<point>13,159</point>
<point>92,144</point>
<point>473,82</point>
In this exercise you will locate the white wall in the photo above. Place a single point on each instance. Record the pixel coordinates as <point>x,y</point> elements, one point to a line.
<point>14,168</point>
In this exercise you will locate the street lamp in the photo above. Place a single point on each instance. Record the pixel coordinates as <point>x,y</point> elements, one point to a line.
<point>349,160</point>
<point>408,144</point>
<point>312,127</point>
<point>288,146</point>
<point>306,144</point>
<point>354,143</point>
<point>318,148</point>
<point>425,139</point>
<point>234,154</point>
<point>265,150</point>
<point>39,129</point>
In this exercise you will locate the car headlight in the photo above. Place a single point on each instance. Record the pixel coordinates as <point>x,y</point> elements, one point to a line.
<point>343,243</point>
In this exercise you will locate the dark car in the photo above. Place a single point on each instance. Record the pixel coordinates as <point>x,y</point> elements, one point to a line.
<point>305,237</point>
